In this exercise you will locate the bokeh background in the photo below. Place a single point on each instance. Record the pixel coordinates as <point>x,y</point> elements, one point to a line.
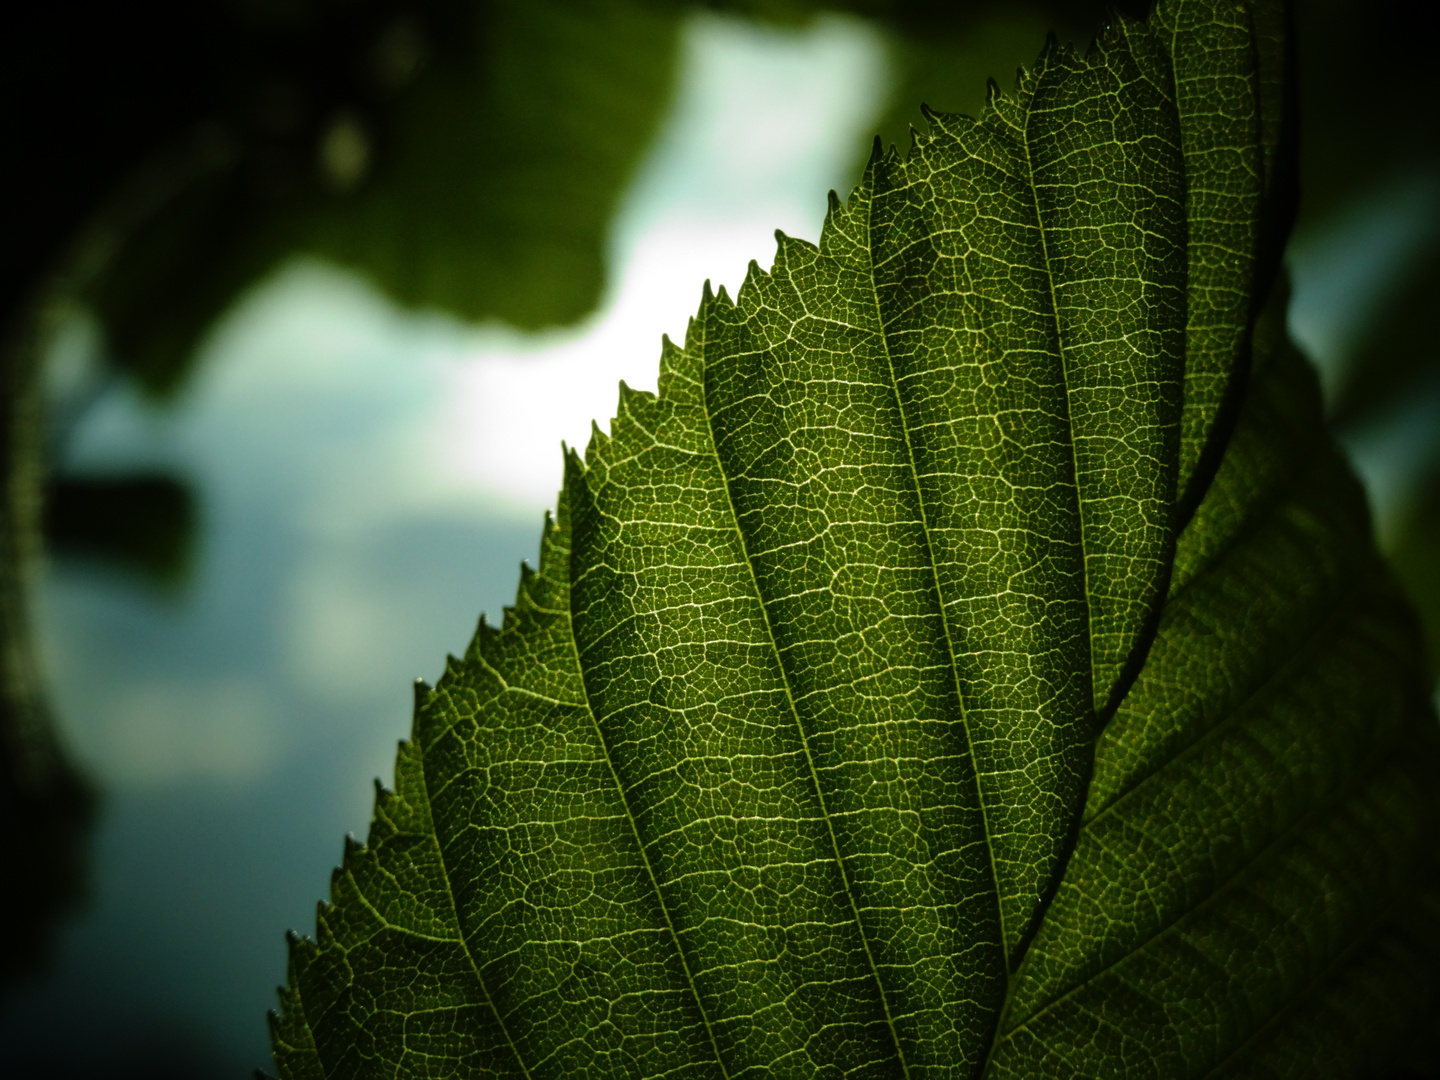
<point>301,298</point>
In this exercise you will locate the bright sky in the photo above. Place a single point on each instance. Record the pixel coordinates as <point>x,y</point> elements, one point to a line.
<point>325,424</point>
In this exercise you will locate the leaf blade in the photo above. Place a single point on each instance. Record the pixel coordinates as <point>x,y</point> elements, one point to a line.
<point>784,762</point>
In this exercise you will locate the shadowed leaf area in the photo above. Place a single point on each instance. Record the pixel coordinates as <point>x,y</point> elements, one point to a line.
<point>973,662</point>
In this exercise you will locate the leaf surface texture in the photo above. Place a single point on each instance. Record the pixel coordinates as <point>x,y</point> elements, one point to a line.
<point>903,691</point>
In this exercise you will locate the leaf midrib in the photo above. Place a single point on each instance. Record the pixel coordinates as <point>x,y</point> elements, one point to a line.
<point>799,726</point>
<point>1029,180</point>
<point>1063,352</point>
<point>941,606</point>
<point>459,925</point>
<point>640,846</point>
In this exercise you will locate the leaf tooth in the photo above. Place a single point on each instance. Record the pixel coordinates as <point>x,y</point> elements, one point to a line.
<point>574,466</point>
<point>1116,22</point>
<point>889,157</point>
<point>632,399</point>
<point>512,613</point>
<point>948,128</point>
<point>674,378</point>
<point>839,216</point>
<point>290,1033</point>
<point>755,281</point>
<point>454,669</point>
<point>918,140</point>
<point>790,248</point>
<point>594,448</point>
<point>383,795</point>
<point>693,327</point>
<point>634,410</point>
<point>882,157</point>
<point>1006,110</point>
<point>707,302</point>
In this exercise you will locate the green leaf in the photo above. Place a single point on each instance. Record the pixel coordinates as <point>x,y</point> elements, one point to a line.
<point>866,715</point>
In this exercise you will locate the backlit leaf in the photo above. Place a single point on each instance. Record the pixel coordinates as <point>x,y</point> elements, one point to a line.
<point>917,686</point>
